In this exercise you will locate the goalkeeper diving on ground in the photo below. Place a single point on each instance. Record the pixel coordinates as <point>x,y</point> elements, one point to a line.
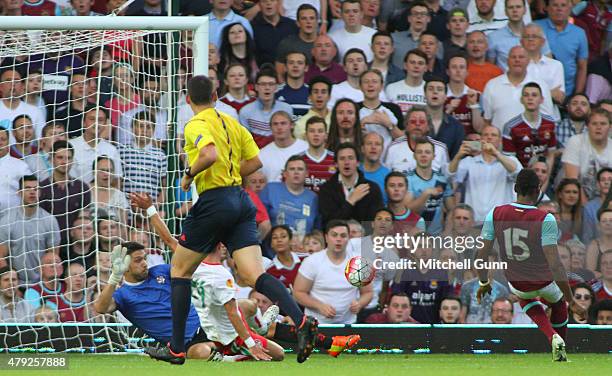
<point>216,326</point>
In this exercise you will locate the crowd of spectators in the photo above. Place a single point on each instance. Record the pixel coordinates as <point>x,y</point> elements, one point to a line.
<point>373,117</point>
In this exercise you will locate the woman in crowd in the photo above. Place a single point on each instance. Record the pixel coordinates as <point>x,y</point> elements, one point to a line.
<point>237,46</point>
<point>570,208</point>
<point>345,125</point>
<point>583,293</point>
<point>602,243</point>
<point>285,264</point>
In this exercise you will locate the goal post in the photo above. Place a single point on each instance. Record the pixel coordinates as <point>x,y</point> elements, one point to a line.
<point>125,67</point>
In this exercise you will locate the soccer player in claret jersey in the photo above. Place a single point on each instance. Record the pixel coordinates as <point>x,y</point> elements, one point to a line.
<point>220,153</point>
<point>527,240</point>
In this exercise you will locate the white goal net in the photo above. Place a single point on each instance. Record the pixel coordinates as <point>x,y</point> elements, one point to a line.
<point>87,116</point>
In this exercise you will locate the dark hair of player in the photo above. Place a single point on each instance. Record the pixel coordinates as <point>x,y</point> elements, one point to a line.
<point>133,247</point>
<point>336,223</point>
<point>200,90</point>
<point>527,184</point>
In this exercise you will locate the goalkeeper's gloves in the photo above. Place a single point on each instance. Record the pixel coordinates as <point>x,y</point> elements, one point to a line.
<point>120,261</point>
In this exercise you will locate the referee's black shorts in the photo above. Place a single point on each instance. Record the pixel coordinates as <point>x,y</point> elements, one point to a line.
<point>224,215</point>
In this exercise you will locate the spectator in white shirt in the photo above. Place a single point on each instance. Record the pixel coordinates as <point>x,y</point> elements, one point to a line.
<point>93,143</point>
<point>11,91</point>
<point>321,286</point>
<point>355,63</point>
<point>501,98</point>
<point>488,177</point>
<point>274,155</point>
<point>542,66</point>
<point>589,152</point>
<point>11,170</point>
<point>411,90</point>
<point>354,34</point>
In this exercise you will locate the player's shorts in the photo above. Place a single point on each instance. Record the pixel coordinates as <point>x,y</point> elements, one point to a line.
<point>199,337</point>
<point>224,215</point>
<point>551,293</point>
<point>237,346</point>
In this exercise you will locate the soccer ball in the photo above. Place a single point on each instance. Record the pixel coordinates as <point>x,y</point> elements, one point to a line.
<point>359,271</point>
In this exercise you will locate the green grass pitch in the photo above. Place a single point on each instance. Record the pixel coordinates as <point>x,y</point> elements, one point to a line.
<point>350,365</point>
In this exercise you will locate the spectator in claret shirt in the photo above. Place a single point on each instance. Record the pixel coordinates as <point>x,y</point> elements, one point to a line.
<point>324,54</point>
<point>532,133</point>
<point>396,312</point>
<point>72,304</point>
<point>235,81</point>
<point>285,264</point>
<point>50,285</point>
<point>40,8</point>
<point>319,160</point>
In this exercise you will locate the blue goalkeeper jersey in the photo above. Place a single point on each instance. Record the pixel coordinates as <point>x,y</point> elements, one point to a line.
<point>147,305</point>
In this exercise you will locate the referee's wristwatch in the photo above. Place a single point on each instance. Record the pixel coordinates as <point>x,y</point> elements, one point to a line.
<point>188,172</point>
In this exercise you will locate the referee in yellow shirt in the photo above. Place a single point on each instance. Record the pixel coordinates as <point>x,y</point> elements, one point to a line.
<point>220,153</point>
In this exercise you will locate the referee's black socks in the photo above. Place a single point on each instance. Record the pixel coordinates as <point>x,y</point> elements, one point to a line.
<point>276,291</point>
<point>181,302</point>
